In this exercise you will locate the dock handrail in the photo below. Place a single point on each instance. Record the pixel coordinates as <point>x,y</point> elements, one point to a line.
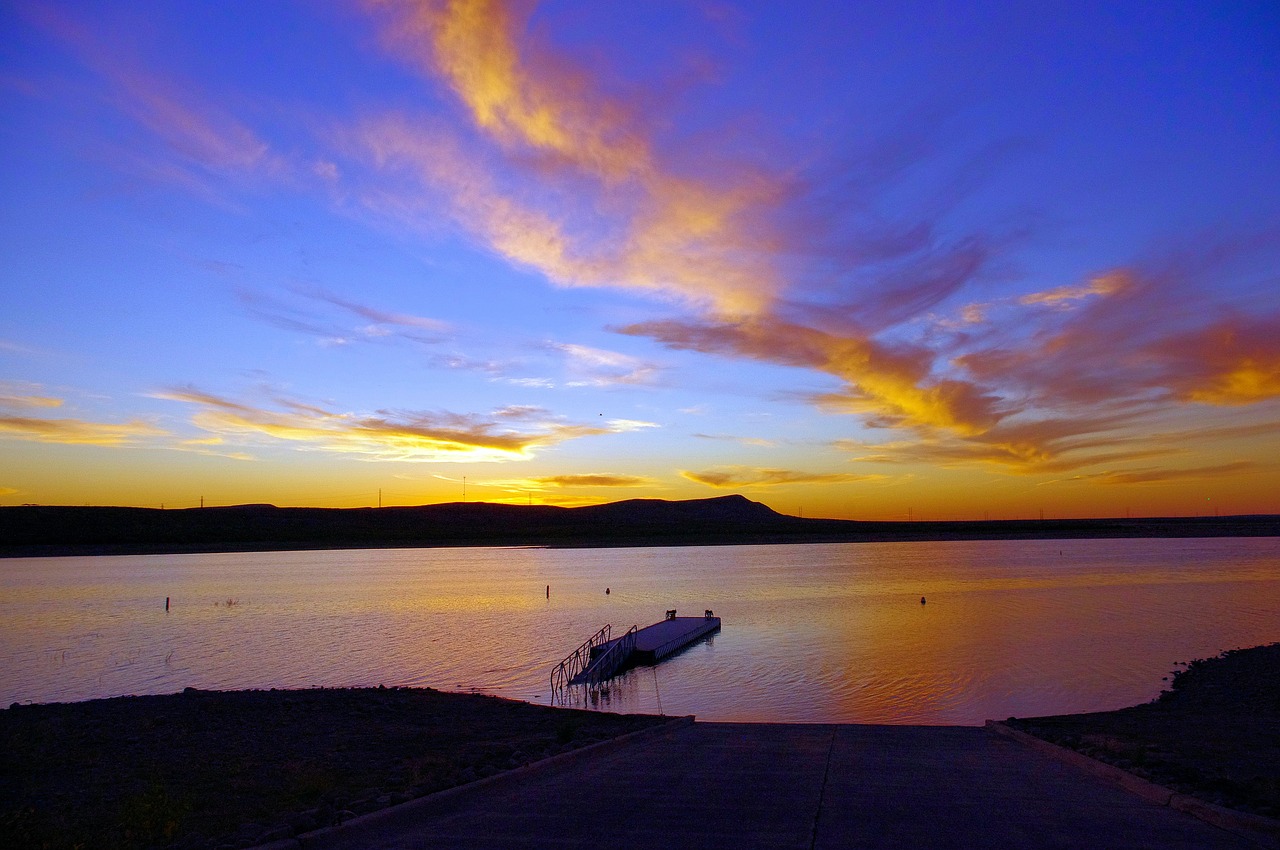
<point>608,662</point>
<point>580,659</point>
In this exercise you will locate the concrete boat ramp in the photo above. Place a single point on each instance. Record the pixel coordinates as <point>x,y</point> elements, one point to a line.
<point>603,656</point>
<point>790,787</point>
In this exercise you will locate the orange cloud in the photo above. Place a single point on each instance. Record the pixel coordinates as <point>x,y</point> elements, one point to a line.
<point>643,226</point>
<point>1235,361</point>
<point>894,383</point>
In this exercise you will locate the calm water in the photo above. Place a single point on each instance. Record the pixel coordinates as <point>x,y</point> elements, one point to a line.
<point>811,633</point>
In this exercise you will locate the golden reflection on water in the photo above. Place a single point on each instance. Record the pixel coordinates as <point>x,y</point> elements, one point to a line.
<point>811,633</point>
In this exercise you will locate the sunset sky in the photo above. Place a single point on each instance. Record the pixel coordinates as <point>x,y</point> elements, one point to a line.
<point>860,260</point>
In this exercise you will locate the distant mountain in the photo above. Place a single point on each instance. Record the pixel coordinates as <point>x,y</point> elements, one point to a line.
<point>54,530</point>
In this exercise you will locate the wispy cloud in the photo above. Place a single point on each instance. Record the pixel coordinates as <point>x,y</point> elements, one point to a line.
<point>757,442</point>
<point>335,320</point>
<point>79,431</point>
<point>1157,475</point>
<point>596,367</point>
<point>514,433</point>
<point>199,139</point>
<point>593,480</point>
<point>20,395</point>
<point>728,477</point>
<point>1065,296</point>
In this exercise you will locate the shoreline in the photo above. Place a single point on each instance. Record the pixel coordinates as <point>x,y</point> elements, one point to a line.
<point>206,768</point>
<point>45,532</point>
<point>895,533</point>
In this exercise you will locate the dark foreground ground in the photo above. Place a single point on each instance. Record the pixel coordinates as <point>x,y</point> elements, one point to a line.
<point>1215,734</point>
<point>207,769</point>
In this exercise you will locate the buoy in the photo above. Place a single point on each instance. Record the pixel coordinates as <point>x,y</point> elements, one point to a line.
<point>606,591</point>
<point>921,600</point>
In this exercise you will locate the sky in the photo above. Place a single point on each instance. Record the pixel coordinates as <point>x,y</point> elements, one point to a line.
<point>875,261</point>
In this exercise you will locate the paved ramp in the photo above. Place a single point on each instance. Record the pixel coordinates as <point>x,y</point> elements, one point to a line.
<point>707,785</point>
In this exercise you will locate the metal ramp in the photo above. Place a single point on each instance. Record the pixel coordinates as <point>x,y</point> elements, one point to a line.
<point>607,660</point>
<point>595,661</point>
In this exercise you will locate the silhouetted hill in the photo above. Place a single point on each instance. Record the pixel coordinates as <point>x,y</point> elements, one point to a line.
<point>53,530</point>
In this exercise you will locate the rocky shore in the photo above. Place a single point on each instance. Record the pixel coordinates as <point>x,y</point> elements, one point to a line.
<point>1214,735</point>
<point>205,769</point>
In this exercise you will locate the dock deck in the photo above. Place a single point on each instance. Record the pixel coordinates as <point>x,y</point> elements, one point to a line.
<point>656,642</point>
<point>601,658</point>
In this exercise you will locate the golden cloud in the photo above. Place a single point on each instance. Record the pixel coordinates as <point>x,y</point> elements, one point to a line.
<point>78,431</point>
<point>413,437</point>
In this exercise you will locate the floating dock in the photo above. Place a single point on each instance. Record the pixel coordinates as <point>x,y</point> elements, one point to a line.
<point>656,642</point>
<point>604,656</point>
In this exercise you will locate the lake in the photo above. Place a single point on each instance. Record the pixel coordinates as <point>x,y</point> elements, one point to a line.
<point>811,633</point>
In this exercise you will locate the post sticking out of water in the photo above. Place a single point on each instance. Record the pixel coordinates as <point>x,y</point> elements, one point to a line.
<point>548,591</point>
<point>166,604</point>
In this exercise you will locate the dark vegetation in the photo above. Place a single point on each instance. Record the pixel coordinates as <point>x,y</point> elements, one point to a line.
<point>1215,734</point>
<point>213,769</point>
<point>63,530</point>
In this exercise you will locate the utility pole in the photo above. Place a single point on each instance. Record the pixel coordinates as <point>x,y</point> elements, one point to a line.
<point>379,497</point>
<point>464,488</point>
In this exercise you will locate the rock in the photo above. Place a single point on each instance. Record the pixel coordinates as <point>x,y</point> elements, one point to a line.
<point>279,833</point>
<point>305,821</point>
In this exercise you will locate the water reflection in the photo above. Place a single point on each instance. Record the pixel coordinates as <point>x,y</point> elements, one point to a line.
<point>811,633</point>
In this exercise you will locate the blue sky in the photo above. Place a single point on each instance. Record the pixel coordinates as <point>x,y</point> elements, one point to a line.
<point>852,260</point>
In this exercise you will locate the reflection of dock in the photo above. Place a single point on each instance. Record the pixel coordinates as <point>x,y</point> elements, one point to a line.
<point>604,656</point>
